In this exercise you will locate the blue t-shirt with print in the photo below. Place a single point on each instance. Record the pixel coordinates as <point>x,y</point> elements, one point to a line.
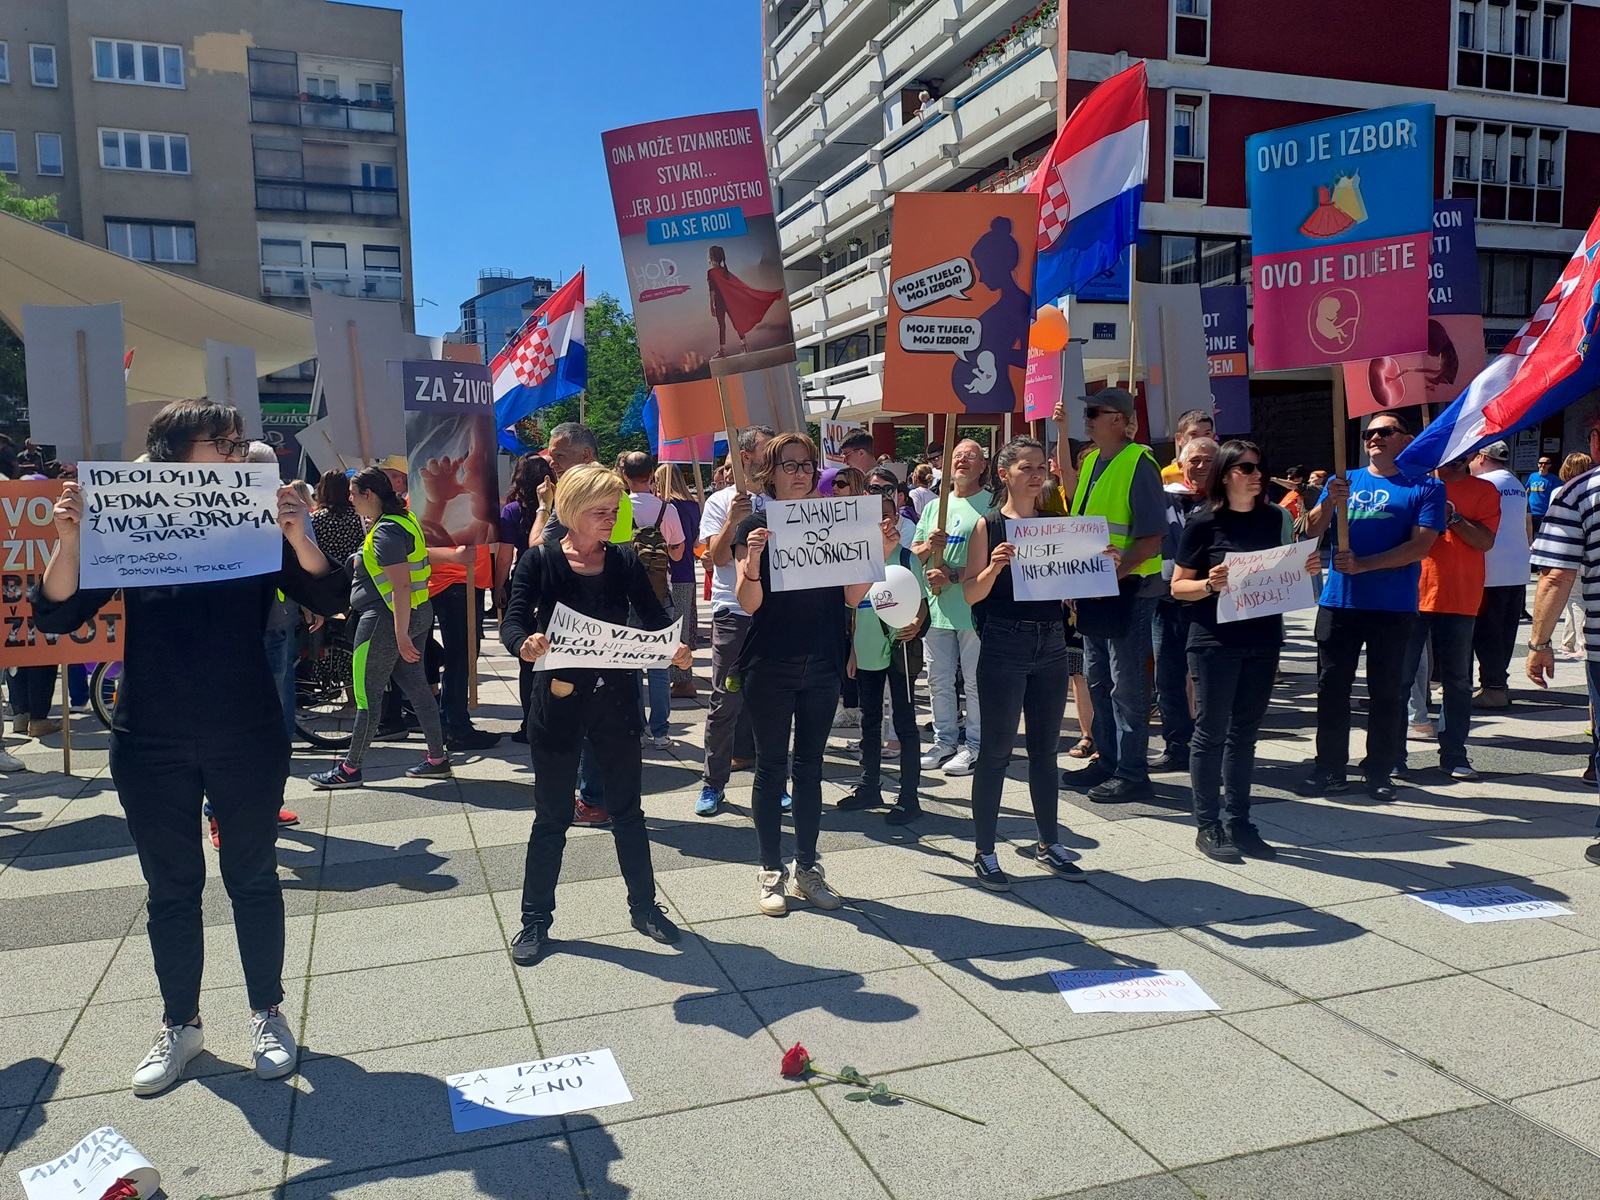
<point>1383,512</point>
<point>1540,488</point>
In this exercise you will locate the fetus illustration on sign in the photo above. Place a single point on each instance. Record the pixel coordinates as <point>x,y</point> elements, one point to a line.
<point>1334,318</point>
<point>1439,368</point>
<point>982,380</point>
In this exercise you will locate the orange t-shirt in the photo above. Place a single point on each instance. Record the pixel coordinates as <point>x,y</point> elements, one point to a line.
<point>446,574</point>
<point>1453,572</point>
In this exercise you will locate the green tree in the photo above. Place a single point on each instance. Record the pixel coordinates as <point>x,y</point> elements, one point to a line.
<point>13,365</point>
<point>615,373</point>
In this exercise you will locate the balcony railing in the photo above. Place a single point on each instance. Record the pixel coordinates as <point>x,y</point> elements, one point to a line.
<point>363,116</point>
<point>300,195</point>
<point>297,282</point>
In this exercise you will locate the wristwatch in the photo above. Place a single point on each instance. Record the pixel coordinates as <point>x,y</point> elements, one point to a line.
<point>1540,647</point>
<point>1210,591</point>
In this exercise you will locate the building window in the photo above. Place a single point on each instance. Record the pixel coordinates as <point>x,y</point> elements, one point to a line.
<point>57,227</point>
<point>1515,284</point>
<point>151,241</point>
<point>1513,171</point>
<point>282,267</point>
<point>378,175</point>
<point>322,85</point>
<point>381,258</point>
<point>848,349</point>
<point>1513,46</point>
<point>43,59</point>
<point>5,63</point>
<point>8,152</point>
<point>382,264</point>
<point>1186,176</point>
<point>48,148</point>
<point>130,150</point>
<point>150,63</point>
<point>376,93</point>
<point>1190,30</point>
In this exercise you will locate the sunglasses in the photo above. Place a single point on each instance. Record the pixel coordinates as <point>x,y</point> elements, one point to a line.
<point>880,489</point>
<point>1090,414</point>
<point>1380,433</point>
<point>804,466</point>
<point>1247,468</point>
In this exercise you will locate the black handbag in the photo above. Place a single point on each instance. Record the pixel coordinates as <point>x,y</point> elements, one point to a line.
<point>1107,617</point>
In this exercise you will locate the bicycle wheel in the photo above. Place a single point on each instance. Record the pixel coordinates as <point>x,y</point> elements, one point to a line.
<point>322,715</point>
<point>103,690</point>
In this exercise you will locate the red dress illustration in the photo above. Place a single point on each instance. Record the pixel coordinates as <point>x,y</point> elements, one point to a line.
<point>734,299</point>
<point>1328,219</point>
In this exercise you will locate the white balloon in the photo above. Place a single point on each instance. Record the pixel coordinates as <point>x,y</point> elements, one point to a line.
<point>898,599</point>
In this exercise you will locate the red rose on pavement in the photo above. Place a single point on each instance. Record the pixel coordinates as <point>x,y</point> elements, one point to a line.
<point>795,1061</point>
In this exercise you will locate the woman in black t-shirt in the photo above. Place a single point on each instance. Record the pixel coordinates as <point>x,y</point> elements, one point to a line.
<point>792,667</point>
<point>1233,663</point>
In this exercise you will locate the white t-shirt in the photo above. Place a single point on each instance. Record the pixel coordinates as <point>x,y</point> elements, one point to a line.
<point>715,516</point>
<point>921,497</point>
<point>645,508</point>
<point>1506,562</point>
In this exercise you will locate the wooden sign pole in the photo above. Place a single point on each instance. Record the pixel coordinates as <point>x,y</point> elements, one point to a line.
<point>363,434</point>
<point>227,378</point>
<point>472,633</point>
<point>947,484</point>
<point>83,398</point>
<point>739,480</point>
<point>1342,515</point>
<point>694,452</point>
<point>66,706</point>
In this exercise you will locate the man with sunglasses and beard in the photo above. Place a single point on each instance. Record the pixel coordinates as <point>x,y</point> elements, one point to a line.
<point>1370,599</point>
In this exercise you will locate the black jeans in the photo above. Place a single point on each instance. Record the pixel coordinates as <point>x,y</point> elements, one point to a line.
<point>1022,673</point>
<point>1494,637</point>
<point>555,774</point>
<point>1169,629</point>
<point>1232,688</point>
<point>161,782</point>
<point>1341,633</point>
<point>450,610</point>
<point>728,734</point>
<point>1449,635</point>
<point>780,696</point>
<point>32,691</point>
<point>870,686</point>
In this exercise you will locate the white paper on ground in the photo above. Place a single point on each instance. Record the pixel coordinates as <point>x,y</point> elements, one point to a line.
<point>87,1171</point>
<point>1479,904</point>
<point>1132,990</point>
<point>547,1088</point>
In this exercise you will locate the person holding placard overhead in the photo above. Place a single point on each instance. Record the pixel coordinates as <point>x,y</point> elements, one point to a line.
<point>594,577</point>
<point>1022,669</point>
<point>198,718</point>
<point>1233,663</point>
<point>792,666</point>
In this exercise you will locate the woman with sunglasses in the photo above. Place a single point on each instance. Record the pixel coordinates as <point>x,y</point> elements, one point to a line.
<point>1233,663</point>
<point>881,481</point>
<point>1022,670</point>
<point>792,666</point>
<point>198,718</point>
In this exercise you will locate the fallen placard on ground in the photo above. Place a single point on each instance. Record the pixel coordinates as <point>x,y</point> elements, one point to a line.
<point>1132,990</point>
<point>87,1171</point>
<point>1480,904</point>
<point>1061,558</point>
<point>547,1088</point>
<point>158,524</point>
<point>824,541</point>
<point>580,641</point>
<point>1263,583</point>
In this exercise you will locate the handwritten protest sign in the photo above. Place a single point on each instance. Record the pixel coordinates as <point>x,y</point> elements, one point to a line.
<point>1481,904</point>
<point>1264,583</point>
<point>170,523</point>
<point>547,1088</point>
<point>27,539</point>
<point>824,542</point>
<point>580,641</point>
<point>87,1171</point>
<point>1135,990</point>
<point>1061,558</point>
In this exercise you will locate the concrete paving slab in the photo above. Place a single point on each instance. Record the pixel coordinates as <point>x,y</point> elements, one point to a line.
<point>53,874</point>
<point>1574,1110</point>
<point>532,1169</point>
<point>968,922</point>
<point>1318,954</point>
<point>628,969</point>
<point>1194,893</point>
<point>432,929</point>
<point>43,978</point>
<point>1566,985</point>
<point>585,908</point>
<point>30,1049</point>
<point>1466,946</point>
<point>762,951</point>
<point>1507,1151</point>
<point>133,976</point>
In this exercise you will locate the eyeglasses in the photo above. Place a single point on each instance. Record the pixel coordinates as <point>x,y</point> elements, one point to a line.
<point>1246,468</point>
<point>880,489</point>
<point>226,446</point>
<point>804,466</point>
<point>1381,432</point>
<point>1090,414</point>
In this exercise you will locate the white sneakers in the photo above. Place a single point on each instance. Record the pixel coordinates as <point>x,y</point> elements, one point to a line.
<point>164,1065</point>
<point>10,762</point>
<point>937,754</point>
<point>770,900</point>
<point>779,887</point>
<point>964,762</point>
<point>847,718</point>
<point>271,1041</point>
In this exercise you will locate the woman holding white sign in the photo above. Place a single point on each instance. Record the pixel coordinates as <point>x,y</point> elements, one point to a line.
<point>792,667</point>
<point>1233,663</point>
<point>1022,670</point>
<point>198,718</point>
<point>591,575</point>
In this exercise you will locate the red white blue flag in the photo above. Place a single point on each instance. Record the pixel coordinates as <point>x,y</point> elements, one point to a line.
<point>544,363</point>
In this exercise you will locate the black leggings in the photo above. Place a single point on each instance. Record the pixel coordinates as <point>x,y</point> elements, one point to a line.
<point>781,696</point>
<point>161,782</point>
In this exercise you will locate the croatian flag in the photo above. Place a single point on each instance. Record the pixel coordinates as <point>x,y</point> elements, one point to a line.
<point>1548,366</point>
<point>545,362</point>
<point>1091,184</point>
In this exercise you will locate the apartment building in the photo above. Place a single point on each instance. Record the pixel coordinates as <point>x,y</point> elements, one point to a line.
<point>255,145</point>
<point>864,98</point>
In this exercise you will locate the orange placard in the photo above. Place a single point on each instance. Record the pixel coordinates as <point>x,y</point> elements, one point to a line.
<point>960,279</point>
<point>27,539</point>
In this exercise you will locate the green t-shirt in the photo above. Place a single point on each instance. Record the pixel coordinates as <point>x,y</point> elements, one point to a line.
<point>874,641</point>
<point>949,609</point>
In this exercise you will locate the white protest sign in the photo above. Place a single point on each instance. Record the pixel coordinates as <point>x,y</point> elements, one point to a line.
<point>1481,904</point>
<point>316,439</point>
<point>950,278</point>
<point>824,541</point>
<point>1133,990</point>
<point>547,1088</point>
<point>1061,558</point>
<point>231,379</point>
<point>77,390</point>
<point>833,436</point>
<point>1264,583</point>
<point>171,523</point>
<point>580,641</point>
<point>87,1171</point>
<point>941,335</point>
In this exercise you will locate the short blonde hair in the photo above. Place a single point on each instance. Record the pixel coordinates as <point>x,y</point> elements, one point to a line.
<point>587,485</point>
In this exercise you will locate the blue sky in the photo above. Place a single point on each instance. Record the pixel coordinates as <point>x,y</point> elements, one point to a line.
<point>506,103</point>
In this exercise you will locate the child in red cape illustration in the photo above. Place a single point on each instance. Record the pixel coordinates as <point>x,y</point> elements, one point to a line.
<point>733,299</point>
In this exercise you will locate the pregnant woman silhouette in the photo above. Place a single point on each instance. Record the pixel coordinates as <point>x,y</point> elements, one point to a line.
<point>983,381</point>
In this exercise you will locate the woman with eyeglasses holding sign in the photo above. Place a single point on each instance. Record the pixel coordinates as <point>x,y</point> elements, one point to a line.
<point>198,718</point>
<point>1233,662</point>
<point>1022,670</point>
<point>791,669</point>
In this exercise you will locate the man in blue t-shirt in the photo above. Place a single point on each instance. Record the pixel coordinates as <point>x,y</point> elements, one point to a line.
<point>1542,484</point>
<point>1370,599</point>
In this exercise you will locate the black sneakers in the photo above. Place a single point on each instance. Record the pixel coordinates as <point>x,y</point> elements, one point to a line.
<point>1118,790</point>
<point>855,800</point>
<point>1247,840</point>
<point>654,923</point>
<point>1593,853</point>
<point>1213,843</point>
<point>1322,782</point>
<point>902,814</point>
<point>531,941</point>
<point>1055,858</point>
<point>471,738</point>
<point>1380,788</point>
<point>1167,761</point>
<point>987,868</point>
